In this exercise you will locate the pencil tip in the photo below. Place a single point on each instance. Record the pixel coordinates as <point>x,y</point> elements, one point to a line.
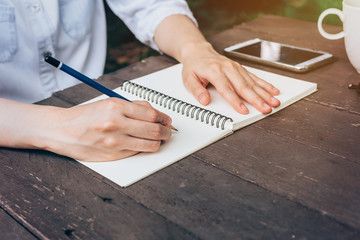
<point>173,128</point>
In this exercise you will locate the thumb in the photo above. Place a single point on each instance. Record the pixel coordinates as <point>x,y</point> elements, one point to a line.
<point>197,88</point>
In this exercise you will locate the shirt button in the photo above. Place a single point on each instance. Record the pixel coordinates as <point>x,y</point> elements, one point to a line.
<point>35,7</point>
<point>47,54</point>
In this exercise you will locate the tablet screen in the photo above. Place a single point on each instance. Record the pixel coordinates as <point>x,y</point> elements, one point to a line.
<point>275,52</point>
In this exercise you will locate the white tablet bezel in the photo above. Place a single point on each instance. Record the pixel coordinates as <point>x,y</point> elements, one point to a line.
<point>301,67</point>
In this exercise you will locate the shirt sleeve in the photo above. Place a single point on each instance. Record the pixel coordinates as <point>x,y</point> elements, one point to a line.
<point>143,16</point>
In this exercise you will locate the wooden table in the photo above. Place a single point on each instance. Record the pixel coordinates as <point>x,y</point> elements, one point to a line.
<point>293,175</point>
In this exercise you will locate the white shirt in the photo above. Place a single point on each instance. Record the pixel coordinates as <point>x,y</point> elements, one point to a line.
<point>73,31</point>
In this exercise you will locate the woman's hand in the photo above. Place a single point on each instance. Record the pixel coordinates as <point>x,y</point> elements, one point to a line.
<point>203,65</point>
<point>109,129</point>
<point>106,130</point>
<point>179,37</point>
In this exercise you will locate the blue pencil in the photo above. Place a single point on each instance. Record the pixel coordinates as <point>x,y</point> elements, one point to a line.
<point>72,72</point>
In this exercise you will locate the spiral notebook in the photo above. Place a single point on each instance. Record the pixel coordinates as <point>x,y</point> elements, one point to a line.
<point>198,125</point>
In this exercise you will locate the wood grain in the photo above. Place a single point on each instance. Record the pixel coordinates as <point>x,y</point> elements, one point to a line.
<point>214,204</point>
<point>54,198</point>
<point>11,229</point>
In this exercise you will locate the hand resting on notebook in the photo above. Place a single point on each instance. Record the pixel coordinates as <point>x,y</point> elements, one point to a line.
<point>203,65</point>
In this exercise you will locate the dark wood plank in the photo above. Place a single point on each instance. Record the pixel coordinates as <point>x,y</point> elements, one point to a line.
<point>216,205</point>
<point>332,80</point>
<point>54,198</point>
<point>327,129</point>
<point>11,229</point>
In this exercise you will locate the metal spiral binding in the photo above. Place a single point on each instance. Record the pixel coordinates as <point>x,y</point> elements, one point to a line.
<point>187,109</point>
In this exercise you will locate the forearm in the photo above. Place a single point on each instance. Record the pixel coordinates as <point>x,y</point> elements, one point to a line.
<point>179,37</point>
<point>20,124</point>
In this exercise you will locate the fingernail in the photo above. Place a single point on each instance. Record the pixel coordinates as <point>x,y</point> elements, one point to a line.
<point>276,90</point>
<point>265,105</point>
<point>202,98</point>
<point>244,108</point>
<point>274,100</point>
<point>168,121</point>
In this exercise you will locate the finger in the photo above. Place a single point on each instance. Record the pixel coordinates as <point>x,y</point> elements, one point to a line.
<point>125,154</point>
<point>141,145</point>
<point>128,148</point>
<point>267,86</point>
<point>229,94</point>
<point>227,91</point>
<point>147,130</point>
<point>245,87</point>
<point>272,101</point>
<point>197,88</point>
<point>117,143</point>
<point>108,156</point>
<point>265,90</point>
<point>141,110</point>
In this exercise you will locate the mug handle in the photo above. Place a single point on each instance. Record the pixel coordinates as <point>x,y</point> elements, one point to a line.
<point>321,19</point>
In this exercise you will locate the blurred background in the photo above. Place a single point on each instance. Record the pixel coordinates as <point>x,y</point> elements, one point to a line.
<point>213,16</point>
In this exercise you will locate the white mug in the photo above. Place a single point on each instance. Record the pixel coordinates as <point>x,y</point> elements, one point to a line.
<point>350,16</point>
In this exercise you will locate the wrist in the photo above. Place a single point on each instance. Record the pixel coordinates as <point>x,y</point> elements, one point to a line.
<point>39,131</point>
<point>191,50</point>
